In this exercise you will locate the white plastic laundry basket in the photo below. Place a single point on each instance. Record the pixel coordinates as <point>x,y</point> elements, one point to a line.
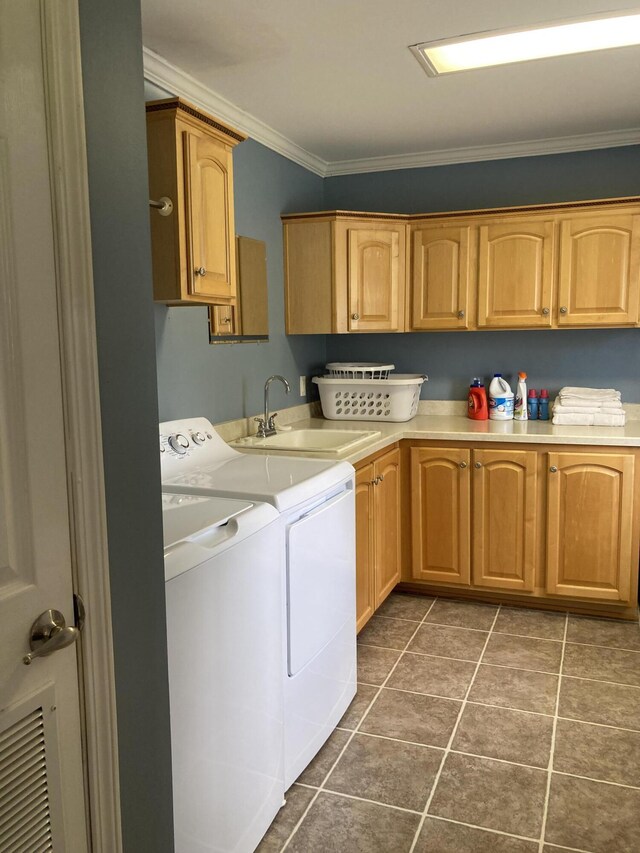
<point>359,370</point>
<point>392,400</point>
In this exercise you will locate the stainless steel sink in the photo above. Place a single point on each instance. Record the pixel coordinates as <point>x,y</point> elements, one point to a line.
<point>309,440</point>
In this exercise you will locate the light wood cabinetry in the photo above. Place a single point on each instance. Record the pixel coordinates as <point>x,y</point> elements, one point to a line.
<point>544,267</point>
<point>599,275</point>
<point>440,276</point>
<point>365,546</point>
<point>190,162</point>
<point>223,319</point>
<point>378,527</point>
<point>344,273</point>
<point>590,520</point>
<point>553,526</point>
<point>505,519</point>
<point>441,514</point>
<point>516,273</point>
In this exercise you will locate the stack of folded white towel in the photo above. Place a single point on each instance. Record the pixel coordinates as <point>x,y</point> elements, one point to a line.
<point>589,407</point>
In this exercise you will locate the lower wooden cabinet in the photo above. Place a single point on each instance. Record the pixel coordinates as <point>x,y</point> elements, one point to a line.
<point>590,515</point>
<point>440,514</point>
<point>378,526</point>
<point>505,485</point>
<point>550,524</point>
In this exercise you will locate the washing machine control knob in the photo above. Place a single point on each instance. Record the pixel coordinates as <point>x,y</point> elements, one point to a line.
<point>197,438</point>
<point>179,443</point>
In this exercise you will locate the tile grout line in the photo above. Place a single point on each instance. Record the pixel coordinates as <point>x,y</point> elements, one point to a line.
<point>453,734</point>
<point>519,668</point>
<point>353,733</point>
<point>484,828</point>
<point>545,811</point>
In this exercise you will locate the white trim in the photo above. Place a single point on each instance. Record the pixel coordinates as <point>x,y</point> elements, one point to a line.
<point>476,153</point>
<point>177,82</point>
<point>71,221</point>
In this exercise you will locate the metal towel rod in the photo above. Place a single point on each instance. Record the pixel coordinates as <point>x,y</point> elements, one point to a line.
<point>164,206</point>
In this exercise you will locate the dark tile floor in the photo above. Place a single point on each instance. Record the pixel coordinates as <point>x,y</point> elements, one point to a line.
<point>478,729</point>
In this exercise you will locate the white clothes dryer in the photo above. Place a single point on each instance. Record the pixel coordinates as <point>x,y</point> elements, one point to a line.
<point>224,597</point>
<point>316,501</point>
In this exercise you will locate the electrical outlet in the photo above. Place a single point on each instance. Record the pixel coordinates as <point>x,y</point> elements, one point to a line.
<point>303,386</point>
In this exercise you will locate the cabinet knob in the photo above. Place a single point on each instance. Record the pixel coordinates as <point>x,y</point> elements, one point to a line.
<point>200,271</point>
<point>545,311</point>
<point>381,478</point>
<point>461,314</point>
<point>553,469</point>
<point>563,310</point>
<point>462,464</point>
<point>478,464</point>
<point>355,316</point>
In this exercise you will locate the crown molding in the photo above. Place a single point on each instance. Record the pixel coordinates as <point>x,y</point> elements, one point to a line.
<point>177,82</point>
<point>473,154</point>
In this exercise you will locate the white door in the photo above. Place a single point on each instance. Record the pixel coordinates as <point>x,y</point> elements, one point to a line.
<point>42,800</point>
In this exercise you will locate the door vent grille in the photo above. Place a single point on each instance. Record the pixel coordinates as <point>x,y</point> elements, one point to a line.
<point>25,819</point>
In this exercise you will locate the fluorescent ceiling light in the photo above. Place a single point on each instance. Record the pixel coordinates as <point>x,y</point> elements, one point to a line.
<point>481,50</point>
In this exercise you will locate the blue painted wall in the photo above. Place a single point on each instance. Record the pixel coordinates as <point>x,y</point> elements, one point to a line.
<point>226,381</point>
<point>111,44</point>
<point>597,357</point>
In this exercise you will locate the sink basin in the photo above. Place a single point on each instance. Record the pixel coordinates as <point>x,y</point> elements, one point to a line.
<point>312,440</point>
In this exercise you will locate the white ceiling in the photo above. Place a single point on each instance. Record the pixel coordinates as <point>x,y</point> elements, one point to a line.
<point>334,80</point>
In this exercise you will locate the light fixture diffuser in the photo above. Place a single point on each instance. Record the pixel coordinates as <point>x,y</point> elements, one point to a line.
<point>503,47</point>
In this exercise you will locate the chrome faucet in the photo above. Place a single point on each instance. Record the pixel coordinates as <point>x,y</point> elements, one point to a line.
<point>266,425</point>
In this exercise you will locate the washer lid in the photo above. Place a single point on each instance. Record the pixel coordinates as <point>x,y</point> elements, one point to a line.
<point>282,481</point>
<point>185,516</point>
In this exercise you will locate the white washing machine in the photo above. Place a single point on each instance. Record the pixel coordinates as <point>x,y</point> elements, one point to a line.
<point>316,501</point>
<point>224,593</point>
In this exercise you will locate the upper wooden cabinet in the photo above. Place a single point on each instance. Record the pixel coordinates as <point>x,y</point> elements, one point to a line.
<point>440,277</point>
<point>190,162</point>
<point>344,273</point>
<point>591,551</point>
<point>542,267</point>
<point>599,274</point>
<point>516,273</point>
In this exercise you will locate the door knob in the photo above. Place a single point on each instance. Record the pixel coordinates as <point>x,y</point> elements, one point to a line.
<point>545,311</point>
<point>553,469</point>
<point>563,310</point>
<point>200,271</point>
<point>478,464</point>
<point>355,316</point>
<point>461,314</point>
<point>49,633</point>
<point>462,464</point>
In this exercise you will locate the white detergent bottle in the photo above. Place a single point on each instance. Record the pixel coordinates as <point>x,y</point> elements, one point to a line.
<point>500,399</point>
<point>520,408</point>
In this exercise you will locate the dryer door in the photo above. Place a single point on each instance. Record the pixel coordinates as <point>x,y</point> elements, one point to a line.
<point>320,577</point>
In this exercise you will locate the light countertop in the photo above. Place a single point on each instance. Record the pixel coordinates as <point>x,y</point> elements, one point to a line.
<point>460,428</point>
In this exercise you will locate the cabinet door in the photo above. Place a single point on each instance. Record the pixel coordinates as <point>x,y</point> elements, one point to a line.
<point>440,279</point>
<point>590,525</point>
<point>376,279</point>
<point>211,269</point>
<point>504,519</point>
<point>365,546</point>
<point>440,506</point>
<point>515,274</point>
<point>599,270</point>
<point>223,320</point>
<point>387,524</point>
